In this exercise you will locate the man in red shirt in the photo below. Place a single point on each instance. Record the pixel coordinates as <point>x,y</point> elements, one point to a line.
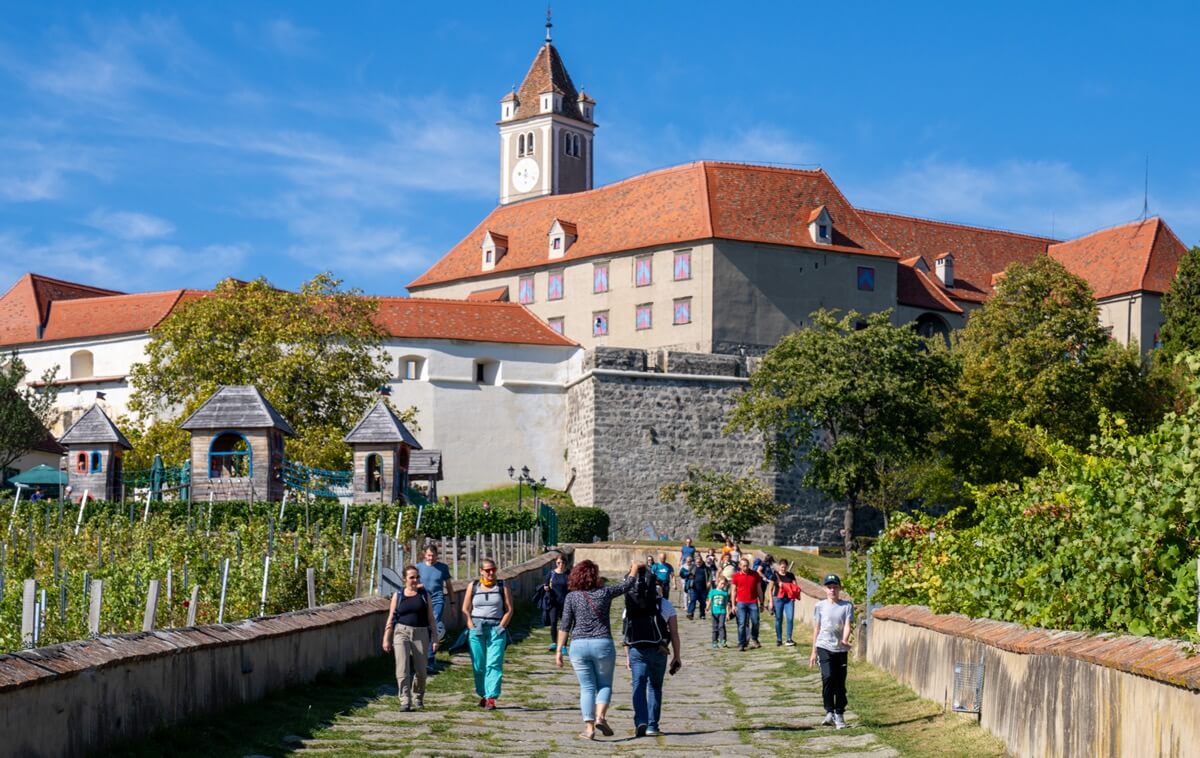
<point>747,588</point>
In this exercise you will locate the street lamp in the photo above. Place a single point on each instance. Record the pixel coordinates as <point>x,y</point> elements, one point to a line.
<point>523,479</point>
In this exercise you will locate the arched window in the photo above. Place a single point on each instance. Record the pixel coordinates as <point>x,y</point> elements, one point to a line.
<point>529,143</point>
<point>374,472</point>
<point>82,364</point>
<point>932,325</point>
<point>81,463</point>
<point>97,466</point>
<point>230,457</point>
<point>521,145</point>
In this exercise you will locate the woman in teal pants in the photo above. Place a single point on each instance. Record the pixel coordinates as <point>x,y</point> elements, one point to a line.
<point>488,608</point>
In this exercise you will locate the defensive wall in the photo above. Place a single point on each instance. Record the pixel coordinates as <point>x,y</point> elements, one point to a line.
<point>75,698</point>
<point>637,419</point>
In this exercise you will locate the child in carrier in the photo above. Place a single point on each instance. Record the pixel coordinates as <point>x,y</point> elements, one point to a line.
<point>718,606</point>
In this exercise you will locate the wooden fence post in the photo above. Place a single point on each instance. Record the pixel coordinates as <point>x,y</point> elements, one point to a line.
<point>151,606</point>
<point>82,502</point>
<point>262,605</point>
<point>28,609</point>
<point>94,607</point>
<point>191,617</point>
<point>310,578</point>
<point>224,586</point>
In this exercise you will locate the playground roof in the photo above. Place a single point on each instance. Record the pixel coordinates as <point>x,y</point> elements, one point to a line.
<point>94,427</point>
<point>237,406</point>
<point>381,424</point>
<point>425,464</point>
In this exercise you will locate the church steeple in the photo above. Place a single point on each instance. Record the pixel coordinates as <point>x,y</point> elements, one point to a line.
<point>546,131</point>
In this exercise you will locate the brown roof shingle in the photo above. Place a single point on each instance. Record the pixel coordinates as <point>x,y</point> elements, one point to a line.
<point>469,320</point>
<point>547,74</point>
<point>916,288</point>
<point>1138,256</point>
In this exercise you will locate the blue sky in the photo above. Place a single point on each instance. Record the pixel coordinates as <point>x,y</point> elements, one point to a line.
<point>158,146</point>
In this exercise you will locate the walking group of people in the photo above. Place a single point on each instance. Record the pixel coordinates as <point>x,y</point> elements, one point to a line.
<point>576,604</point>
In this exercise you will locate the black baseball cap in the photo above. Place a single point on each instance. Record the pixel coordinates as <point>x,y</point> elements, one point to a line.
<point>832,579</point>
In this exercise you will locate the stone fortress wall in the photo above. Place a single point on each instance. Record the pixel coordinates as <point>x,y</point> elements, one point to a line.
<point>637,419</point>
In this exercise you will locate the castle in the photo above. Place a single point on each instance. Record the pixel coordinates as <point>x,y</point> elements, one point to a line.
<point>600,335</point>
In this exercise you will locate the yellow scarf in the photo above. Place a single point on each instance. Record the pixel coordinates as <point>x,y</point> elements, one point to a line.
<point>486,582</point>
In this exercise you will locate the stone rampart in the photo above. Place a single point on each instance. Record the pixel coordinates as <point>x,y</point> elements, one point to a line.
<point>75,698</point>
<point>630,431</point>
<point>1051,693</point>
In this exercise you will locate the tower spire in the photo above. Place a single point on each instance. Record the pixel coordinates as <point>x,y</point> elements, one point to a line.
<point>548,23</point>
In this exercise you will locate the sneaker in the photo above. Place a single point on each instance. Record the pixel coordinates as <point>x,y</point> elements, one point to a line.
<point>406,705</point>
<point>754,644</point>
<point>640,730</point>
<point>491,704</point>
<point>778,643</point>
<point>839,721</point>
<point>790,643</point>
<point>741,648</point>
<point>724,643</point>
<point>652,731</point>
<point>690,618</point>
<point>482,702</point>
<point>829,720</point>
<point>552,648</point>
<point>419,702</point>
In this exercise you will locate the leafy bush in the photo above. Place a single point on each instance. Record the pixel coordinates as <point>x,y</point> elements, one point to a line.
<point>1100,541</point>
<point>707,533</point>
<point>581,524</point>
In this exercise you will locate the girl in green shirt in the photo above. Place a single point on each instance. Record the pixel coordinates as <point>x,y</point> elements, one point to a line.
<point>718,606</point>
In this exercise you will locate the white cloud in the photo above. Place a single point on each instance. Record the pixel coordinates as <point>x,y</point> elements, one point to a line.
<point>128,225</point>
<point>34,169</point>
<point>288,38</point>
<point>764,143</point>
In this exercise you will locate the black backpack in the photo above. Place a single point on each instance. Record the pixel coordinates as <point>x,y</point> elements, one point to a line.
<point>644,625</point>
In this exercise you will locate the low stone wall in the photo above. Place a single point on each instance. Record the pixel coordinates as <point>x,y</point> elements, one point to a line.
<point>1051,693</point>
<point>74,698</point>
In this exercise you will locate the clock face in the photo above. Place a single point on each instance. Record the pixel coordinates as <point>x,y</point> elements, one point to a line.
<point>525,174</point>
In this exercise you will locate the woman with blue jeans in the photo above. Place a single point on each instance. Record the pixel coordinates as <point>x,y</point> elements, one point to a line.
<point>650,624</point>
<point>783,606</point>
<point>593,656</point>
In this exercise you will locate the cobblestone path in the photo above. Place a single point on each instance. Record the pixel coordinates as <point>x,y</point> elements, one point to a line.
<point>763,702</point>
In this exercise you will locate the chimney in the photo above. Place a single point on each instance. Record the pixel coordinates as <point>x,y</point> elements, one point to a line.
<point>944,266</point>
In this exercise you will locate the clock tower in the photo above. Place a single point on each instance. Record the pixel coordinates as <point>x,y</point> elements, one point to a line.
<point>546,130</point>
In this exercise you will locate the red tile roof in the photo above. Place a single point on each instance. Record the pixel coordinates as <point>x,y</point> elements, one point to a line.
<point>26,305</point>
<point>547,74</point>
<point>490,295</point>
<point>471,321</point>
<point>916,288</point>
<point>114,314</point>
<point>686,203</point>
<point>1139,256</point>
<point>978,252</point>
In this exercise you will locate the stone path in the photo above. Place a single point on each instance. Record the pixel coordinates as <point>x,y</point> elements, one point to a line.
<point>761,702</point>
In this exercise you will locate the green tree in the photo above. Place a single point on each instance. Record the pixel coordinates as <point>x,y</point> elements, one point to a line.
<point>1035,356</point>
<point>315,354</point>
<point>842,396</point>
<point>1181,308</point>
<point>733,505</point>
<point>25,412</point>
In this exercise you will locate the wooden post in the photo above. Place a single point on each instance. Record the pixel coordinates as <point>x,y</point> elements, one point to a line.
<point>151,606</point>
<point>345,516</point>
<point>262,605</point>
<point>374,557</point>
<point>146,511</point>
<point>399,521</point>
<point>82,503</point>
<point>191,616</point>
<point>224,587</point>
<point>453,549</point>
<point>28,609</point>
<point>362,558</point>
<point>170,596</point>
<point>310,578</point>
<point>94,607</point>
<point>283,505</point>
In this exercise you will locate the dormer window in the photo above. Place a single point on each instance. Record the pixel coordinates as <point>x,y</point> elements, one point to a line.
<point>551,101</point>
<point>820,226</point>
<point>493,249</point>
<point>562,235</point>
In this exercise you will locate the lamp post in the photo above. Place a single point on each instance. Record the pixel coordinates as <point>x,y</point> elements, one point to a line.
<point>524,479</point>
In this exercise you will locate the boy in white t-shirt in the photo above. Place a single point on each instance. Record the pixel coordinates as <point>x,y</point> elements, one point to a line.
<point>833,618</point>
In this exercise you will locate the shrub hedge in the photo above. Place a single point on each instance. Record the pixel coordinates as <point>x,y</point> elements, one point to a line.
<point>582,524</point>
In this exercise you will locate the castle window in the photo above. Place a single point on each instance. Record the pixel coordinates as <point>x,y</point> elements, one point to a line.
<point>600,278</point>
<point>644,316</point>
<point>529,143</point>
<point>866,278</point>
<point>556,324</point>
<point>823,231</point>
<point>682,312</point>
<point>487,371</point>
<point>97,466</point>
<point>374,472</point>
<point>81,463</point>
<point>643,271</point>
<point>230,457</point>
<point>683,265</point>
<point>410,367</point>
<point>525,290</point>
<point>82,364</point>
<point>554,287</point>
<point>600,324</point>
<point>520,145</point>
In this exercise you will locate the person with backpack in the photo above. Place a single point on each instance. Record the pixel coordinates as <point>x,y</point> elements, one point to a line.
<point>487,607</point>
<point>650,626</point>
<point>833,618</point>
<point>784,592</point>
<point>701,576</point>
<point>593,655</point>
<point>663,571</point>
<point>435,578</point>
<point>410,623</point>
<point>718,606</point>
